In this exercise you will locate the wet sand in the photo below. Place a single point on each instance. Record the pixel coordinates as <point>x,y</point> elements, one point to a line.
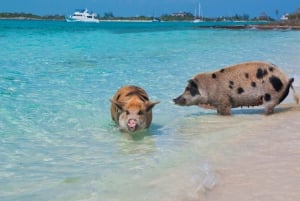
<point>263,163</point>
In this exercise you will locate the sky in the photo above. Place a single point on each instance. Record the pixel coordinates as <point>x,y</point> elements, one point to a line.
<point>126,8</point>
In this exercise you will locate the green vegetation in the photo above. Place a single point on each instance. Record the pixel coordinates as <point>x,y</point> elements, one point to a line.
<point>292,21</point>
<point>110,16</point>
<point>295,16</point>
<point>30,16</point>
<point>181,16</point>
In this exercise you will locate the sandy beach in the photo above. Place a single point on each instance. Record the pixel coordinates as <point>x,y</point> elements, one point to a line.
<point>265,161</point>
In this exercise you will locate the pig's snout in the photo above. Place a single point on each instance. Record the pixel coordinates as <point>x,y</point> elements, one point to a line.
<point>179,100</point>
<point>132,124</point>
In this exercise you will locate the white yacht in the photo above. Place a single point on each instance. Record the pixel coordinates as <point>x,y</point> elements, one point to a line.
<point>82,16</point>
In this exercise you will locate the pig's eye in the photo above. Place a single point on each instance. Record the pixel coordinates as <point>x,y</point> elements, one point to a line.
<point>140,112</point>
<point>127,112</point>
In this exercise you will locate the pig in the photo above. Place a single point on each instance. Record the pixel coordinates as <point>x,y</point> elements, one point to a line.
<point>245,84</point>
<point>131,109</point>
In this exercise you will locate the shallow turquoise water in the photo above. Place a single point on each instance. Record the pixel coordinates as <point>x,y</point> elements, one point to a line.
<point>56,134</point>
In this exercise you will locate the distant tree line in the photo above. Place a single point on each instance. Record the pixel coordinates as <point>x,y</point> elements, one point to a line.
<point>187,16</point>
<point>181,16</point>
<point>30,16</point>
<point>293,19</point>
<point>295,16</point>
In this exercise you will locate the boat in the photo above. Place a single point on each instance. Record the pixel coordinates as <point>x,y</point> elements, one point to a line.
<point>155,19</point>
<point>284,17</point>
<point>198,18</point>
<point>82,15</point>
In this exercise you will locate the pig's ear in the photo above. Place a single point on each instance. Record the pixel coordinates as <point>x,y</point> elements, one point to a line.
<point>119,105</point>
<point>150,105</point>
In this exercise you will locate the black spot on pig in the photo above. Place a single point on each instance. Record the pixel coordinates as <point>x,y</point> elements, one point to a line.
<point>253,84</point>
<point>276,83</point>
<point>193,88</point>
<point>231,83</point>
<point>240,90</point>
<point>260,73</point>
<point>214,76</point>
<point>267,97</point>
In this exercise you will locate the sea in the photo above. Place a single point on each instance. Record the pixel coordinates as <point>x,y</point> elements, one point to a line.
<point>59,143</point>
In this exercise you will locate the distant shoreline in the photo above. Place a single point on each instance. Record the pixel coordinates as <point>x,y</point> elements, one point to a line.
<point>27,18</point>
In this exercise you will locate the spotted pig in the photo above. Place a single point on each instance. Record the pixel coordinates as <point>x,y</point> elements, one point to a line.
<point>131,109</point>
<point>245,84</point>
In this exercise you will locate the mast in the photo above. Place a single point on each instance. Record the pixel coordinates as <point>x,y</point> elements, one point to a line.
<point>199,7</point>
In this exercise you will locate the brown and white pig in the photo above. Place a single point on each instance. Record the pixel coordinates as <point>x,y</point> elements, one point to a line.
<point>245,84</point>
<point>131,109</point>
